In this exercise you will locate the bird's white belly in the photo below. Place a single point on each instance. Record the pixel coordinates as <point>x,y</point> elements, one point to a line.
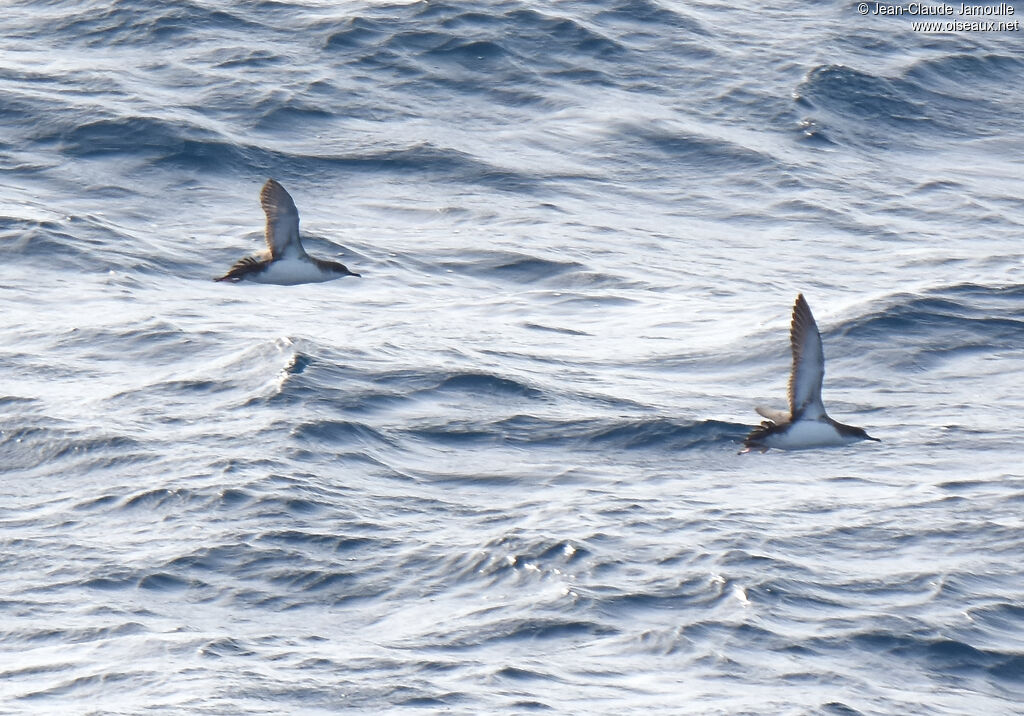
<point>808,434</point>
<point>290,271</point>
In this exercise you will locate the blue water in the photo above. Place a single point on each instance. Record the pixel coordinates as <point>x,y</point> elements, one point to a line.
<point>499,473</point>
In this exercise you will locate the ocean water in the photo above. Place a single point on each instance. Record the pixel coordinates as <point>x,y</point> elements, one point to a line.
<point>499,473</point>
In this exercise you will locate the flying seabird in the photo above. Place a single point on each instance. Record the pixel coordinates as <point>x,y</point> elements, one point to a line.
<point>806,425</point>
<point>285,261</point>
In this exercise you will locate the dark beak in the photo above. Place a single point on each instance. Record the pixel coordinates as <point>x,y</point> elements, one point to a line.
<point>877,440</point>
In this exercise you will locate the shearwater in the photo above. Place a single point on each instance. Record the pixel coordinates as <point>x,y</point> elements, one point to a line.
<point>806,425</point>
<point>285,261</point>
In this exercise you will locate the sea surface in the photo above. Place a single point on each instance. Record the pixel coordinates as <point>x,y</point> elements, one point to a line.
<point>499,473</point>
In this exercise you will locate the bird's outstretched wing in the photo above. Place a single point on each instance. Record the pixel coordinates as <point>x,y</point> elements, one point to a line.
<point>808,364</point>
<point>244,267</point>
<point>282,221</point>
<point>776,416</point>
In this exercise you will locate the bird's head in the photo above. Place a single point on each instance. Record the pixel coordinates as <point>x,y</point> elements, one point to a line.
<point>340,269</point>
<point>863,435</point>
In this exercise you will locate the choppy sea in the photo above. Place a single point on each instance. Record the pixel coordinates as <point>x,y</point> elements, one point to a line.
<point>498,474</point>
